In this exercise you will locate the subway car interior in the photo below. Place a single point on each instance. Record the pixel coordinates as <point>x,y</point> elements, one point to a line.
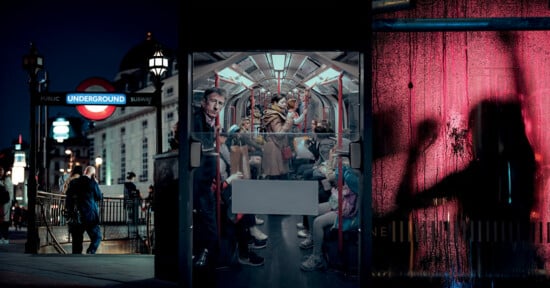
<point>324,90</point>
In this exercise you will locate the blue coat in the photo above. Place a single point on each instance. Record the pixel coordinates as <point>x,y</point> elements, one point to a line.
<point>85,194</point>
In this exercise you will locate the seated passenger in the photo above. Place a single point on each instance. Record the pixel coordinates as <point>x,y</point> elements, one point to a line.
<point>241,143</point>
<point>320,170</point>
<point>246,222</point>
<point>328,217</point>
<point>238,227</point>
<point>303,148</point>
<point>321,147</point>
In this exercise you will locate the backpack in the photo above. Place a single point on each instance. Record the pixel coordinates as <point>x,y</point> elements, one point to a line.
<point>349,201</point>
<point>71,212</point>
<point>4,195</point>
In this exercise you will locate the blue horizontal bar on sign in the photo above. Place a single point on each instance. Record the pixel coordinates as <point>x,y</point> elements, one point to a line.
<point>95,98</point>
<point>277,197</point>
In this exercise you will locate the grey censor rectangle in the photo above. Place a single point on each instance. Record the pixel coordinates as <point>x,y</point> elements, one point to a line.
<point>277,197</point>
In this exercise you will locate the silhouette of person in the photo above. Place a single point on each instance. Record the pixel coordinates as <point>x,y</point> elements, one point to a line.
<point>496,187</point>
<point>84,194</point>
<point>132,199</point>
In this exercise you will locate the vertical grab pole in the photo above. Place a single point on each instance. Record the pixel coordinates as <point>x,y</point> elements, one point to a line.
<point>279,82</point>
<point>252,105</point>
<point>233,114</point>
<point>306,102</point>
<point>340,175</point>
<point>218,182</point>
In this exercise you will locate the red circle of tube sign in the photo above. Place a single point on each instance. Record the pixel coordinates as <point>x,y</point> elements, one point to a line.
<point>95,112</point>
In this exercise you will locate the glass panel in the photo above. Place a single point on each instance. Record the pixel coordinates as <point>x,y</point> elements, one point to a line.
<point>281,153</point>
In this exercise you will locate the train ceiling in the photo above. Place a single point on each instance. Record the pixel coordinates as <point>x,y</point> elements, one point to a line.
<point>238,72</point>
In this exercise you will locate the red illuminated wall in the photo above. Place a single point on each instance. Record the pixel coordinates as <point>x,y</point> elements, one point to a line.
<point>441,76</point>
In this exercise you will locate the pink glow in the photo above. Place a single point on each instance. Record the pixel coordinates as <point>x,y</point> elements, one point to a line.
<point>450,73</point>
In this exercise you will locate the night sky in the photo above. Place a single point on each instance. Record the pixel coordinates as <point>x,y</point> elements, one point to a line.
<point>79,40</point>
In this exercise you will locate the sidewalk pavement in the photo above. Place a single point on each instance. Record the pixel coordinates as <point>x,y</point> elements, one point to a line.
<point>19,269</point>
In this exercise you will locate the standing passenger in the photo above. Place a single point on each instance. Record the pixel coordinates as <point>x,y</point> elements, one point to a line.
<point>204,119</point>
<point>205,242</point>
<point>296,117</point>
<point>277,123</point>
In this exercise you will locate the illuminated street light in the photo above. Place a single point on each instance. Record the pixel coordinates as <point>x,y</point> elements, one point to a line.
<point>98,162</point>
<point>158,65</point>
<point>61,129</point>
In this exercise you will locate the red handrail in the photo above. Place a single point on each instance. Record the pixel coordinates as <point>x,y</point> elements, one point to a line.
<point>340,175</point>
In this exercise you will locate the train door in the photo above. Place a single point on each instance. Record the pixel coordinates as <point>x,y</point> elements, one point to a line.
<point>272,137</point>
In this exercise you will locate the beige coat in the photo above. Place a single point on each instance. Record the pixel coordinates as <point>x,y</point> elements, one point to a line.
<point>277,126</point>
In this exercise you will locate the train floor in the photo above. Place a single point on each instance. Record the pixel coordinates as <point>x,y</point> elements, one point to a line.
<point>282,262</point>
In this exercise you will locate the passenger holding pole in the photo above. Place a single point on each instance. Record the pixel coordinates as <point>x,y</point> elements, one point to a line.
<point>278,124</point>
<point>205,215</point>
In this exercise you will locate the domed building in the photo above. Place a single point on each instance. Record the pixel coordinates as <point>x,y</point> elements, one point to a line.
<point>133,72</point>
<point>126,141</point>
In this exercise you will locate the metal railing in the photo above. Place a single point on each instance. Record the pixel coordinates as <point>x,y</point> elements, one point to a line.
<point>116,220</point>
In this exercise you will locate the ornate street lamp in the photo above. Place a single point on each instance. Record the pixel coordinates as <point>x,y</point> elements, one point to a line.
<point>158,65</point>
<point>32,63</point>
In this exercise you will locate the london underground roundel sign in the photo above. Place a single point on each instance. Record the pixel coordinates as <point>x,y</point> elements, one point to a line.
<point>95,112</point>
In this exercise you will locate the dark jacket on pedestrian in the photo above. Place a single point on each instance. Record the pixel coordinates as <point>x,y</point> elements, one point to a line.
<point>84,193</point>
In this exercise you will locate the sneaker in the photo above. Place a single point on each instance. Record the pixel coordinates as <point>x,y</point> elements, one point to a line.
<point>307,243</point>
<point>259,221</point>
<point>252,260</point>
<point>257,244</point>
<point>256,233</point>
<point>313,263</point>
<point>304,233</point>
<point>300,226</point>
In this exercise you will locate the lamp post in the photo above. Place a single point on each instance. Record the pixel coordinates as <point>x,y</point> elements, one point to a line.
<point>32,63</point>
<point>98,162</point>
<point>158,64</point>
